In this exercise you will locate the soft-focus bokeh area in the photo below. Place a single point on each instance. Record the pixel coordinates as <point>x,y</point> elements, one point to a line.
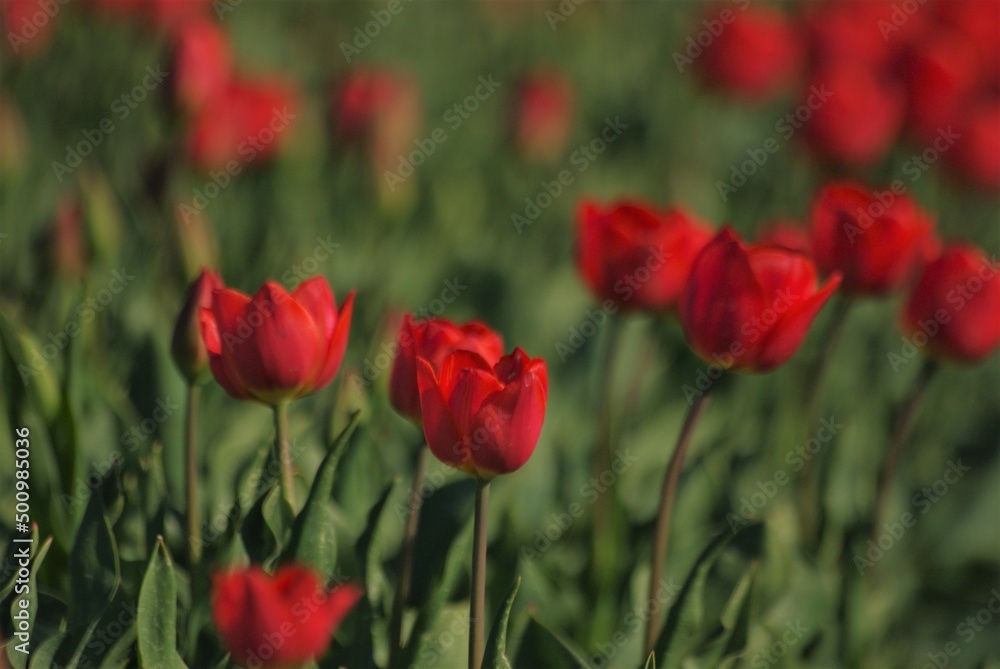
<point>494,119</point>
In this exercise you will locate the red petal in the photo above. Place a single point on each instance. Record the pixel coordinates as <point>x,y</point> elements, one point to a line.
<point>787,334</point>
<point>441,431</point>
<point>337,345</point>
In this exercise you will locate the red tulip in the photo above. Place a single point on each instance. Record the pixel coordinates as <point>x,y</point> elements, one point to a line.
<point>542,115</point>
<point>749,309</point>
<point>636,256</point>
<point>27,25</point>
<point>186,344</point>
<point>976,154</point>
<point>756,56</point>
<point>379,110</point>
<point>956,305</point>
<point>860,118</point>
<point>276,347</point>
<point>787,234</point>
<point>247,121</point>
<point>202,64</point>
<point>483,419</point>
<point>434,340</point>
<point>282,620</point>
<point>876,240</point>
<point>940,74</point>
<point>865,32</point>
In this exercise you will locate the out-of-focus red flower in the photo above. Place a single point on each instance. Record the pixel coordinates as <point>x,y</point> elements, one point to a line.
<point>276,346</point>
<point>756,56</point>
<point>956,305</point>
<point>859,119</point>
<point>979,23</point>
<point>69,253</point>
<point>278,621</point>
<point>940,73</point>
<point>876,240</point>
<point>483,419</point>
<point>379,110</point>
<point>871,33</point>
<point>27,25</point>
<point>186,345</point>
<point>434,340</point>
<point>247,121</point>
<point>635,255</point>
<point>542,115</point>
<point>790,235</point>
<point>749,309</point>
<point>202,63</point>
<point>976,153</point>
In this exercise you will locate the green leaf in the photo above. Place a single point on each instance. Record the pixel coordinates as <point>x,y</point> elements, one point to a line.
<point>93,565</point>
<point>651,661</point>
<point>726,646</point>
<point>363,648</point>
<point>495,655</point>
<point>314,539</point>
<point>679,636</point>
<point>542,647</point>
<point>43,656</point>
<point>156,617</point>
<point>263,529</point>
<point>29,596</point>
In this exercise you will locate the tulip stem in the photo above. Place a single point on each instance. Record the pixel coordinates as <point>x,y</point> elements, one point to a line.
<point>193,515</point>
<point>662,535</point>
<point>283,444</point>
<point>810,487</point>
<point>477,602</point>
<point>904,424</point>
<point>405,564</point>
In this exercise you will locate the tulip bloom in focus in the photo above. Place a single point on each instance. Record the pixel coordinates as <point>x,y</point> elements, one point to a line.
<point>749,309</point>
<point>186,345</point>
<point>756,56</point>
<point>483,419</point>
<point>956,305</point>
<point>434,340</point>
<point>877,241</point>
<point>260,617</point>
<point>276,346</point>
<point>636,256</point>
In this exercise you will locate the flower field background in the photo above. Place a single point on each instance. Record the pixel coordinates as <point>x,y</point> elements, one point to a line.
<point>434,158</point>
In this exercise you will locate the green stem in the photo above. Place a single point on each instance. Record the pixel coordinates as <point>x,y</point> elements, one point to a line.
<point>669,492</point>
<point>477,602</point>
<point>405,564</point>
<point>191,463</point>
<point>283,445</point>
<point>904,424</point>
<point>810,488</point>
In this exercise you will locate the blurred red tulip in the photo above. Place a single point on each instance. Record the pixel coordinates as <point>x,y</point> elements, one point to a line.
<point>790,235</point>
<point>979,23</point>
<point>69,253</point>
<point>27,25</point>
<point>976,153</point>
<point>635,255</point>
<point>202,63</point>
<point>756,56</point>
<point>542,115</point>
<point>750,309</point>
<point>483,419</point>
<point>864,32</point>
<point>276,347</point>
<point>186,345</point>
<point>278,621</point>
<point>434,340</point>
<point>860,119</point>
<point>246,121</point>
<point>940,74</point>
<point>877,241</point>
<point>956,305</point>
<point>379,110</point>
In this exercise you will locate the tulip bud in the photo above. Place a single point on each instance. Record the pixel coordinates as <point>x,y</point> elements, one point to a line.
<point>186,345</point>
<point>260,617</point>
<point>749,309</point>
<point>955,305</point>
<point>483,419</point>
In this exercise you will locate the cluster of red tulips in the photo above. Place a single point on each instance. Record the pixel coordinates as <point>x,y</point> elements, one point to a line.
<point>744,307</point>
<point>923,67</point>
